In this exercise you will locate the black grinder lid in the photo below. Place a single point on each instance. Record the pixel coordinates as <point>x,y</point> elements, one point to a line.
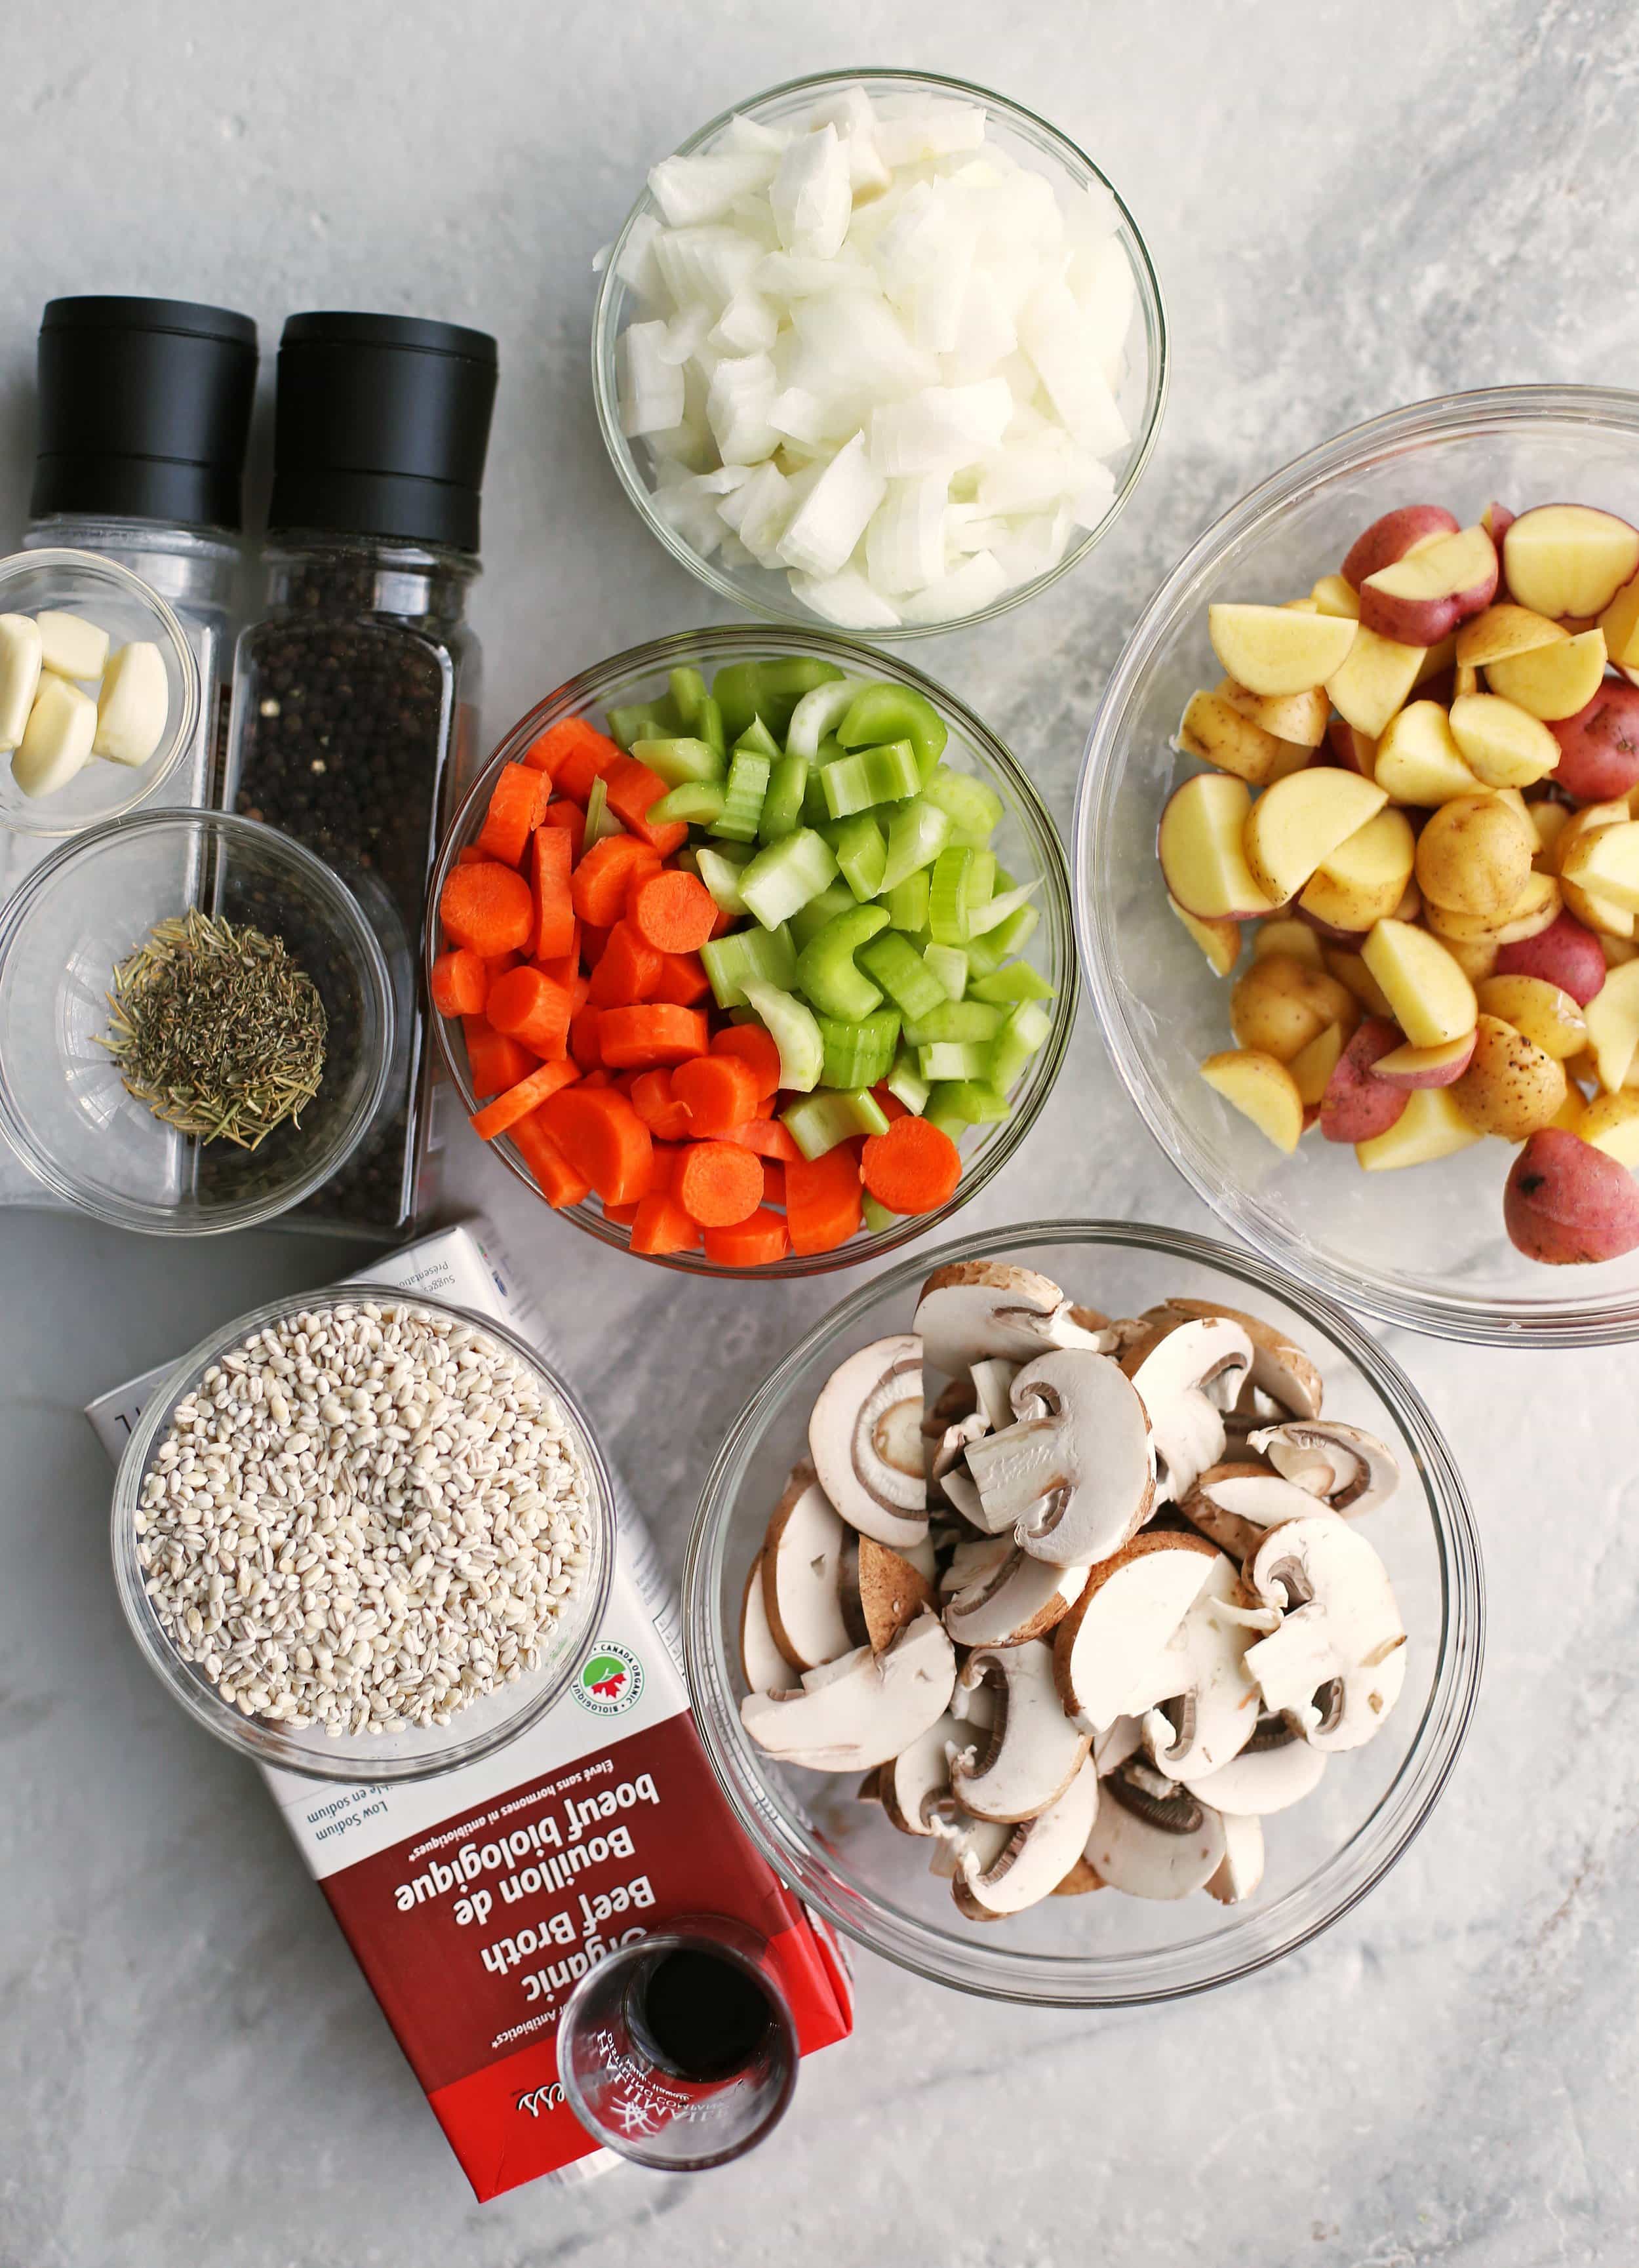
<point>381,427</point>
<point>145,410</point>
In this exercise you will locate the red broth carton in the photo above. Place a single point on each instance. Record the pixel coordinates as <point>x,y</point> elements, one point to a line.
<point>474,1902</point>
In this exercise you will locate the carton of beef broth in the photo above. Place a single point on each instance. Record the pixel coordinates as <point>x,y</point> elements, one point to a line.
<point>474,1902</point>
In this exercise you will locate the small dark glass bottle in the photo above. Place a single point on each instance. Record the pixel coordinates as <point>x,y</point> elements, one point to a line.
<point>357,687</point>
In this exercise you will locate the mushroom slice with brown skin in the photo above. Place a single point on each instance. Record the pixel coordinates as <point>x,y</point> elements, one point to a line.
<point>1015,1599</point>
<point>1073,1473</point>
<point>804,1574</point>
<point>976,1308</point>
<point>910,1785</point>
<point>865,1435</point>
<point>1153,1838</point>
<point>1335,1666</point>
<point>1187,1375</point>
<point>1033,1751</point>
<point>1240,1869</point>
<point>1128,1610</point>
<point>1238,1503</point>
<point>1080,1878</point>
<point>892,1592</point>
<point>1036,1857</point>
<point>1276,1769</point>
<point>1345,1466</point>
<point>993,1380</point>
<point>1279,1368</point>
<point>1213,1712</point>
<point>860,1711</point>
<point>958,1835</point>
<point>766,1669</point>
<point>973,1559</point>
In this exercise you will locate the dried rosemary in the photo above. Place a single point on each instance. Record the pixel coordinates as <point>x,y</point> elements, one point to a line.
<point>216,1029</point>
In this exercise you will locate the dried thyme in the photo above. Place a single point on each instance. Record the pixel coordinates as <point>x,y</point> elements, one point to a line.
<point>216,1029</point>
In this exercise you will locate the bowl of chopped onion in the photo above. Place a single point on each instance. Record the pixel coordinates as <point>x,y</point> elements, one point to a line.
<point>881,349</point>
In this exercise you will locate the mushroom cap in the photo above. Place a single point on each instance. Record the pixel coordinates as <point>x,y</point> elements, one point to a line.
<point>865,1435</point>
<point>1036,1858</point>
<point>1240,1869</point>
<point>1187,1374</point>
<point>972,1309</point>
<point>1280,1368</point>
<point>892,1592</point>
<point>1214,1711</point>
<point>1341,1642</point>
<point>765,1667</point>
<point>862,1710</point>
<point>1073,1473</point>
<point>919,1776</point>
<point>1014,1598</point>
<point>1346,1466</point>
<point>1276,1769</point>
<point>803,1574</point>
<point>1237,1502</point>
<point>1128,1609</point>
<point>1033,1751</point>
<point>1153,1845</point>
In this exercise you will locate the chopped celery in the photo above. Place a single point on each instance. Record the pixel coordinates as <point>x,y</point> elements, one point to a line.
<point>782,811</point>
<point>948,965</point>
<point>785,875</point>
<point>679,760</point>
<point>794,1031</point>
<point>885,775</point>
<point>819,1122</point>
<point>1017,982</point>
<point>1023,1035</point>
<point>757,740</point>
<point>709,727</point>
<point>877,1217</point>
<point>747,785</point>
<point>641,720</point>
<point>954,1060</point>
<point>903,974</point>
<point>966,1102</point>
<point>766,956</point>
<point>992,914</point>
<point>825,967</point>
<point>908,901</point>
<point>906,1082</point>
<point>809,920</point>
<point>862,852</point>
<point>949,901</point>
<point>917,832</point>
<point>768,689</point>
<point>938,1112</point>
<point>819,713</point>
<point>858,1055</point>
<point>955,1020</point>
<point>893,713</point>
<point>989,951</point>
<point>973,809</point>
<point>600,821</point>
<point>721,875</point>
<point>688,693</point>
<point>816,811</point>
<point>698,803</point>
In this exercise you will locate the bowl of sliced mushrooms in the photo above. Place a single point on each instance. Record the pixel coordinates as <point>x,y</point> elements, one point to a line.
<point>1084,1557</point>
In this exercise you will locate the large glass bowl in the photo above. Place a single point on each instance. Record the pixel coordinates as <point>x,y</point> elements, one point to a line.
<point>1036,145</point>
<point>1027,845</point>
<point>1107,1950</point>
<point>1424,1247</point>
<point>62,1106</point>
<point>417,1752</point>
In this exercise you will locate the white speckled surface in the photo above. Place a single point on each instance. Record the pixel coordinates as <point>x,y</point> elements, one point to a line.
<point>1349,207</point>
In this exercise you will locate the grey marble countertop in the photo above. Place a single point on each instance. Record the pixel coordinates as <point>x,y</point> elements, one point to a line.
<point>1350,208</point>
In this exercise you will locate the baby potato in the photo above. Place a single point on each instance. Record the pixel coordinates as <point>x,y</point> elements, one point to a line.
<point>1281,1004</point>
<point>1510,1087</point>
<point>1549,1018</point>
<point>1473,856</point>
<point>1568,1203</point>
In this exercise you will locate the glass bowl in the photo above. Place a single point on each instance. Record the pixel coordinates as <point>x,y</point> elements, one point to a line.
<point>122,604</point>
<point>418,1752</point>
<point>1425,1247</point>
<point>62,1106</point>
<point>1107,1951</point>
<point>1027,844</point>
<point>1036,145</point>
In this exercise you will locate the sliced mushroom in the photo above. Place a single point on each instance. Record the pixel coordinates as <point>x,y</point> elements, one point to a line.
<point>862,1710</point>
<point>865,1435</point>
<point>1238,1503</point>
<point>892,1592</point>
<point>1033,1751</point>
<point>1214,1711</point>
<point>1128,1610</point>
<point>978,1310</point>
<point>1073,1473</point>
<point>804,1574</point>
<point>919,1777</point>
<point>1346,1466</point>
<point>959,1835</point>
<point>1276,1769</point>
<point>1116,1742</point>
<point>1187,1375</point>
<point>993,1380</point>
<point>1013,1599</point>
<point>1240,1869</point>
<point>1279,1369</point>
<point>1152,1838</point>
<point>767,1669</point>
<point>1036,1858</point>
<point>1335,1666</point>
<point>1080,1878</point>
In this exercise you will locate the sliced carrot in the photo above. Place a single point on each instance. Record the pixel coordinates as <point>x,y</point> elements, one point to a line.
<point>753,1046</point>
<point>459,983</point>
<point>633,1039</point>
<point>596,1078</point>
<point>506,1111</point>
<point>718,1093</point>
<point>557,1180</point>
<point>488,908</point>
<point>603,877</point>
<point>824,1204</point>
<point>586,755</point>
<point>494,1062</point>
<point>516,803</point>
<point>764,1137</point>
<point>656,1105</point>
<point>753,1242</point>
<point>548,750</point>
<point>551,856</point>
<point>913,1167</point>
<point>572,819</point>
<point>718,1184</point>
<point>772,1182</point>
<point>628,969</point>
<point>584,1044</point>
<point>660,1225</point>
<point>674,911</point>
<point>593,940</point>
<point>470,855</point>
<point>683,980</point>
<point>622,1215</point>
<point>566,969</point>
<point>631,788</point>
<point>500,964</point>
<point>530,1007</point>
<point>603,1138</point>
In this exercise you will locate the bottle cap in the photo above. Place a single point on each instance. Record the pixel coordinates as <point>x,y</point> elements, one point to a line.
<point>381,428</point>
<point>144,410</point>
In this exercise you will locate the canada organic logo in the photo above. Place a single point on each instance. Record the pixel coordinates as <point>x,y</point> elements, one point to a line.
<point>610,1681</point>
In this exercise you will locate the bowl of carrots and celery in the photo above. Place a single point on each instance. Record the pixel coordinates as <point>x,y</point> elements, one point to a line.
<point>751,951</point>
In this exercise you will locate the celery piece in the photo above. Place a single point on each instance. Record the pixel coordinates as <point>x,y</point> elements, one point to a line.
<point>973,809</point>
<point>949,907</point>
<point>766,956</point>
<point>955,1020</point>
<point>600,821</point>
<point>858,1055</point>
<point>938,1110</point>
<point>757,740</point>
<point>781,813</point>
<point>641,720</point>
<point>876,1216</point>
<point>967,1102</point>
<point>954,1060</point>
<point>747,784</point>
<point>893,713</point>
<point>688,694</point>
<point>697,803</point>
<point>819,1122</point>
<point>1017,982</point>
<point>721,876</point>
<point>709,727</point>
<point>785,875</point>
<point>948,965</point>
<point>903,974</point>
<point>988,952</point>
<point>916,834</point>
<point>809,920</point>
<point>826,973</point>
<point>1022,1034</point>
<point>862,852</point>
<point>869,775</point>
<point>908,901</point>
<point>816,811</point>
<point>793,1030</point>
<point>991,915</point>
<point>819,713</point>
<point>905,1081</point>
<point>768,689</point>
<point>679,760</point>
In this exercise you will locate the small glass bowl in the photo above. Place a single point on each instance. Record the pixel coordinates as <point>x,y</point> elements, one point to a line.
<point>79,583</point>
<point>1425,1248</point>
<point>62,1106</point>
<point>1027,845</point>
<point>842,1857</point>
<point>1038,146</point>
<point>418,1752</point>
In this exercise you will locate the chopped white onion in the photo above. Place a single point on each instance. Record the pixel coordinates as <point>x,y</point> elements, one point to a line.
<point>651,387</point>
<point>905,542</point>
<point>977,583</point>
<point>1058,339</point>
<point>847,598</point>
<point>689,190</point>
<point>833,515</point>
<point>811,196</point>
<point>738,403</point>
